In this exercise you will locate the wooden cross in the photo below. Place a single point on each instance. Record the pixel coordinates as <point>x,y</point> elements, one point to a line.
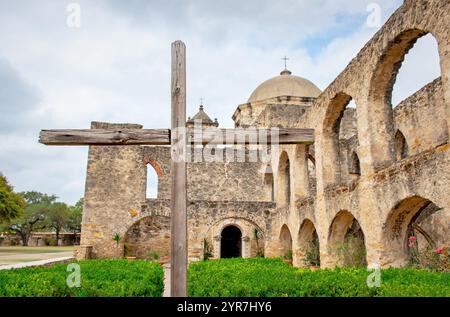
<point>177,138</point>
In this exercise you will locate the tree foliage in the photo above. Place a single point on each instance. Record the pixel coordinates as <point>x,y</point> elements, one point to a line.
<point>56,216</point>
<point>33,216</point>
<point>75,215</point>
<point>40,211</point>
<point>11,204</point>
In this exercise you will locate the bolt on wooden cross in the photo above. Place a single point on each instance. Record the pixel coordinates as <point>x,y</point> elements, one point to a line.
<point>177,138</point>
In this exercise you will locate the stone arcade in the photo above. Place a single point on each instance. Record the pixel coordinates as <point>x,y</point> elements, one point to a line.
<point>379,172</point>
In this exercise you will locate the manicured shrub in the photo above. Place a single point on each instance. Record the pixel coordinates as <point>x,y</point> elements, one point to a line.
<point>98,278</point>
<point>272,277</point>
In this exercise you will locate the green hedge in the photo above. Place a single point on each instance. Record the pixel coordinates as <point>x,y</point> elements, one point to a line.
<point>272,277</point>
<point>98,278</point>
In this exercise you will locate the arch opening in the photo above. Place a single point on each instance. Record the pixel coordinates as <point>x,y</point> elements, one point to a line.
<point>284,180</point>
<point>269,183</point>
<point>401,146</point>
<point>151,191</point>
<point>346,240</point>
<point>414,226</point>
<point>231,242</point>
<point>285,240</point>
<point>355,166</point>
<point>410,62</point>
<point>311,163</point>
<point>420,66</point>
<point>340,126</point>
<point>149,238</point>
<point>308,253</point>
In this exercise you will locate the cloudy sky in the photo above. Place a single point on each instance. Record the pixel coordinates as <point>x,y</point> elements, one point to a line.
<point>116,67</point>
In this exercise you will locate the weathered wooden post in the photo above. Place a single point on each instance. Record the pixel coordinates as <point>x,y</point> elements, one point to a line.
<point>178,197</point>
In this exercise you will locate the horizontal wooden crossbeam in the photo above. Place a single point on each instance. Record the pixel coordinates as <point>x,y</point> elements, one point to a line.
<point>105,137</point>
<point>162,136</point>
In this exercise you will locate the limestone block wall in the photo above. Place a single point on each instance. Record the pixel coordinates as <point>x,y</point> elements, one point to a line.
<point>236,181</point>
<point>422,118</point>
<point>114,187</point>
<point>206,220</point>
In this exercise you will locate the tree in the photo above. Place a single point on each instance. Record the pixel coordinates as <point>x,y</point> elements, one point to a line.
<point>56,217</point>
<point>23,225</point>
<point>75,215</point>
<point>37,207</point>
<point>35,198</point>
<point>11,204</point>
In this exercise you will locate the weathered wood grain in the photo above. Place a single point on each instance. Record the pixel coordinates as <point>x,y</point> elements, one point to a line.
<point>178,197</point>
<point>105,137</point>
<point>251,136</point>
<point>162,136</point>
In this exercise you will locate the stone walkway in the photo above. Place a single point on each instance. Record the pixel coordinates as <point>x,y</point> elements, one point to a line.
<point>166,280</point>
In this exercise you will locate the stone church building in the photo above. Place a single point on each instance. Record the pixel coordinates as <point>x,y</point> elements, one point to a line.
<point>376,174</point>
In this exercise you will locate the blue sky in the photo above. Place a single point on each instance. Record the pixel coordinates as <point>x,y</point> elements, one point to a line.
<point>116,67</point>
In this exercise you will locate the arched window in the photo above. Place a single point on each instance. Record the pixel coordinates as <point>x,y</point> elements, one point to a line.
<point>420,67</point>
<point>408,230</point>
<point>346,239</point>
<point>284,177</point>
<point>152,183</point>
<point>401,147</point>
<point>286,242</point>
<point>409,62</point>
<point>312,171</point>
<point>308,252</point>
<point>355,167</point>
<point>268,183</point>
<point>339,124</point>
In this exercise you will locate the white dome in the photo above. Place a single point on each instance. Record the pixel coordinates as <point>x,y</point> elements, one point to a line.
<point>285,85</point>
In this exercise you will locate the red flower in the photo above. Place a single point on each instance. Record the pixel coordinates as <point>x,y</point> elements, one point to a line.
<point>440,250</point>
<point>412,238</point>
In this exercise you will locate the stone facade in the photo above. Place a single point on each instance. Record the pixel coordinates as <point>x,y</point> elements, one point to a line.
<point>374,170</point>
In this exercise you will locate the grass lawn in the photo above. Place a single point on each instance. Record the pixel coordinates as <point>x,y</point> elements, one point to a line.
<point>30,250</point>
<point>17,254</point>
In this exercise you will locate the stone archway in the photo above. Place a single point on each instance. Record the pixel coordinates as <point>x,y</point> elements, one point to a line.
<point>285,242</point>
<point>308,248</point>
<point>382,82</point>
<point>331,162</point>
<point>415,217</point>
<point>149,237</point>
<point>283,194</point>
<point>346,240</point>
<point>231,242</point>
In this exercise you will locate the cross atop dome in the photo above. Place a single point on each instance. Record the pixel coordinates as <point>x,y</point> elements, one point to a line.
<point>285,60</point>
<point>285,71</point>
